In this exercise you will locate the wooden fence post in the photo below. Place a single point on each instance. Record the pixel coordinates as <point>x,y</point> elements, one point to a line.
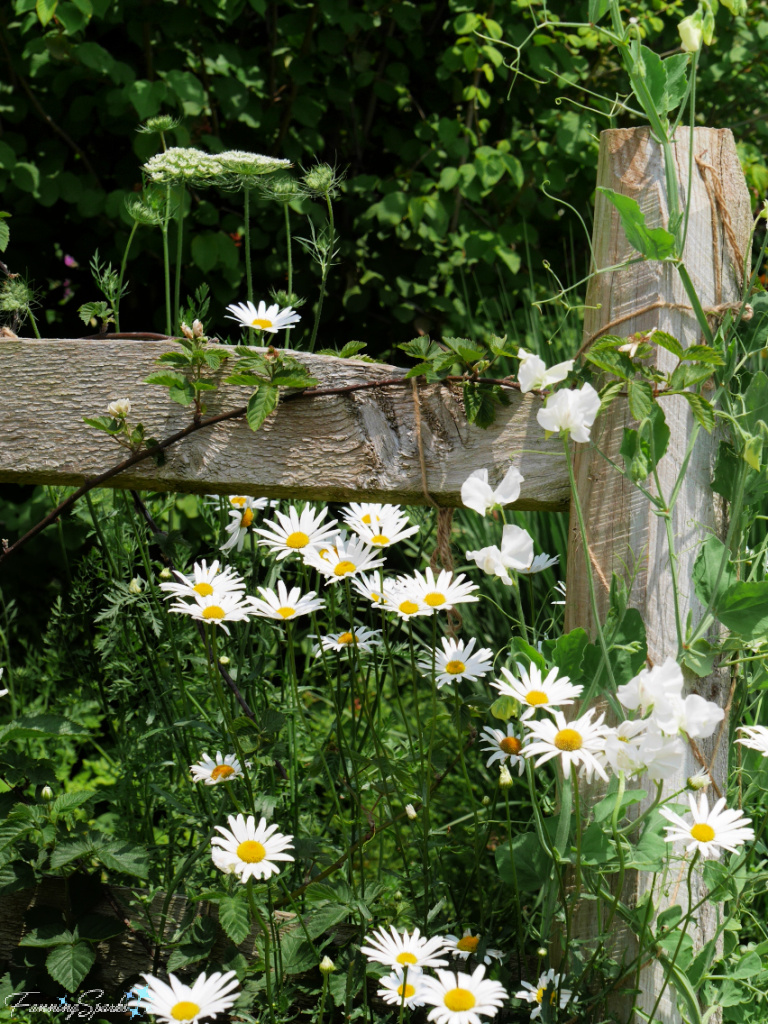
<point>624,535</point>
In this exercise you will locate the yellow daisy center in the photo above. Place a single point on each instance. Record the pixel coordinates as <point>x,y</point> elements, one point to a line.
<point>375,598</point>
<point>468,944</point>
<point>366,519</point>
<point>247,518</point>
<point>406,991</point>
<point>185,1010</point>
<point>203,589</point>
<point>238,499</point>
<point>347,638</point>
<point>406,958</point>
<point>534,697</point>
<point>408,607</point>
<point>703,833</point>
<point>540,996</point>
<point>251,852</point>
<point>222,771</point>
<point>380,539</point>
<point>455,668</point>
<point>434,600</point>
<point>213,612</point>
<point>285,612</point>
<point>298,539</point>
<point>458,999</point>
<point>344,568</point>
<point>568,739</point>
<point>511,745</point>
<point>261,324</point>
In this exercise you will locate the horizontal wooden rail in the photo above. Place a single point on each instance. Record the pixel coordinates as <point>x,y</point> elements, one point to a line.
<point>358,445</point>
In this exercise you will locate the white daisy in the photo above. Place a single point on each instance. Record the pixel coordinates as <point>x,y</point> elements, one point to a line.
<point>367,513</point>
<point>242,513</point>
<point>466,946</point>
<point>550,981</point>
<point>379,525</point>
<point>456,661</point>
<point>540,563</point>
<point>343,557</point>
<point>283,604</point>
<point>533,692</point>
<point>579,742</point>
<point>399,989</point>
<point>296,531</point>
<point>560,589</point>
<point>406,950</point>
<point>204,581</point>
<point>441,592</point>
<point>710,830</point>
<point>249,850</point>
<point>756,737</point>
<point>503,746</point>
<point>363,640</point>
<point>370,587</point>
<point>217,608</point>
<point>461,998</point>
<point>177,1002</point>
<point>271,319</point>
<point>403,597</point>
<point>223,769</point>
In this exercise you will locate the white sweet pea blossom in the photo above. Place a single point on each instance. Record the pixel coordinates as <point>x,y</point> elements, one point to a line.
<point>652,686</point>
<point>571,411</point>
<point>695,716</point>
<point>534,375</point>
<point>477,493</point>
<point>516,552</point>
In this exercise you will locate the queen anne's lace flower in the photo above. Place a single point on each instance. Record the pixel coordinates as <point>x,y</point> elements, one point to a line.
<point>190,166</point>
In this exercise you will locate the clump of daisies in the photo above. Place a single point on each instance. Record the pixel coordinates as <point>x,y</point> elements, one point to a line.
<point>176,1001</point>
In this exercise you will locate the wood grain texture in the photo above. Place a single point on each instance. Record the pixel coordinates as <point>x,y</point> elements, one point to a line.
<point>357,446</point>
<point>625,536</point>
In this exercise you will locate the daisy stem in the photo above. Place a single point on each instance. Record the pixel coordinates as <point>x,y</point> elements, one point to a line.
<point>518,908</point>
<point>321,1011</point>
<point>464,771</point>
<point>258,919</point>
<point>403,990</point>
<point>179,243</point>
<point>293,710</point>
<point>577,826</point>
<point>119,291</point>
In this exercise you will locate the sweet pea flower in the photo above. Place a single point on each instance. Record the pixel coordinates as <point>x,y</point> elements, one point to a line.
<point>571,411</point>
<point>477,493</point>
<point>534,375</point>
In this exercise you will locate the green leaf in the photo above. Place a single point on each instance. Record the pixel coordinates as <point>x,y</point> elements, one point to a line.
<point>69,850</point>
<point>45,10</point>
<point>669,343</point>
<point>596,847</point>
<point>47,935</point>
<point>480,401</point>
<point>532,862</point>
<point>597,10</point>
<point>640,399</point>
<point>261,403</point>
<point>567,652</point>
<point>68,801</point>
<point>34,726</point>
<point>700,657</point>
<point>16,876</point>
<point>175,358</point>
<point>688,375</point>
<point>166,379</point>
<point>98,927</point>
<point>702,354</point>
<point>183,394</point>
<point>708,579</point>
<point>234,918</point>
<point>605,807</point>
<point>5,235</point>
<point>128,858</point>
<point>105,423</point>
<point>653,243</point>
<point>756,403</point>
<point>703,411</point>
<point>743,609</point>
<point>69,964</point>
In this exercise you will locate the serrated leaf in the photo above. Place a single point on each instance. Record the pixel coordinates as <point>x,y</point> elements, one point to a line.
<point>703,354</point>
<point>69,964</point>
<point>687,375</point>
<point>69,850</point>
<point>166,379</point>
<point>669,343</point>
<point>68,801</point>
<point>182,395</point>
<point>16,876</point>
<point>640,399</point>
<point>5,235</point>
<point>291,379</point>
<point>261,403</point>
<point>702,410</point>
<point>214,359</point>
<point>479,405</point>
<point>610,361</point>
<point>128,858</point>
<point>351,349</point>
<point>234,918</point>
<point>47,935</point>
<point>174,358</point>
<point>245,379</point>
<point>105,423</point>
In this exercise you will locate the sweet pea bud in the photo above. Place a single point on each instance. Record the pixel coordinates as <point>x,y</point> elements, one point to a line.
<point>327,965</point>
<point>691,32</point>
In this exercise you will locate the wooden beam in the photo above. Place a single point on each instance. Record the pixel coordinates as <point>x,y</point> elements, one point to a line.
<point>624,535</point>
<point>362,445</point>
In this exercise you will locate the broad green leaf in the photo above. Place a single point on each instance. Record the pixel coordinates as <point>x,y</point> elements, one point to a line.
<point>743,609</point>
<point>5,235</point>
<point>128,858</point>
<point>653,243</point>
<point>45,10</point>
<point>668,342</point>
<point>105,423</point>
<point>676,68</point>
<point>604,808</point>
<point>640,399</point>
<point>727,468</point>
<point>596,847</point>
<point>261,403</point>
<point>597,10</point>
<point>69,850</point>
<point>567,651</point>
<point>69,801</point>
<point>756,403</point>
<point>703,411</point>
<point>166,379</point>
<point>184,394</point>
<point>702,354</point>
<point>234,918</point>
<point>700,658</point>
<point>69,964</point>
<point>175,358</point>
<point>16,876</point>
<point>687,375</point>
<point>30,726</point>
<point>480,401</point>
<point>709,579</point>
<point>47,935</point>
<point>531,862</point>
<point>98,927</point>
<point>749,966</point>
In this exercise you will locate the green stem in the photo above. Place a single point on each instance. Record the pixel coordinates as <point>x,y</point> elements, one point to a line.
<point>289,250</point>
<point>326,268</point>
<point>258,919</point>
<point>167,259</point>
<point>122,276</point>
<point>179,243</point>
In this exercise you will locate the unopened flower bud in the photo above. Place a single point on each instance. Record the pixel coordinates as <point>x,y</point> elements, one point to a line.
<point>541,951</point>
<point>136,585</point>
<point>410,810</point>
<point>197,328</point>
<point>486,801</point>
<point>186,330</point>
<point>327,965</point>
<point>223,660</point>
<point>505,779</point>
<point>165,573</point>
<point>46,793</point>
<point>120,408</point>
<point>691,32</point>
<point>699,781</point>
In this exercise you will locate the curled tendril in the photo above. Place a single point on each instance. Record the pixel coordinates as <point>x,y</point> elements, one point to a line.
<point>562,202</point>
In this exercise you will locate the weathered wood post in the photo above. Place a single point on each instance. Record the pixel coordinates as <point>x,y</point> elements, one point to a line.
<point>624,535</point>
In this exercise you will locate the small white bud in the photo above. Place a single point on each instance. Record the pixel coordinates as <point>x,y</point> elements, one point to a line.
<point>46,793</point>
<point>136,585</point>
<point>486,801</point>
<point>197,328</point>
<point>120,408</point>
<point>410,810</point>
<point>165,573</point>
<point>505,779</point>
<point>327,965</point>
<point>541,951</point>
<point>224,660</point>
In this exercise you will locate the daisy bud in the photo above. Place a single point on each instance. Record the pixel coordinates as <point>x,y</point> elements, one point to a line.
<point>165,574</point>
<point>486,801</point>
<point>136,585</point>
<point>541,951</point>
<point>327,965</point>
<point>223,660</point>
<point>410,810</point>
<point>46,793</point>
<point>698,781</point>
<point>505,779</point>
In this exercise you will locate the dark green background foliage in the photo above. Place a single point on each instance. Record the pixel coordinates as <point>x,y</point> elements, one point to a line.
<point>443,221</point>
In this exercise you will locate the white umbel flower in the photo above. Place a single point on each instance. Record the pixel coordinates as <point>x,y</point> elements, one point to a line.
<point>263,318</point>
<point>710,830</point>
<point>535,692</point>
<point>466,946</point>
<point>407,950</point>
<point>283,604</point>
<point>457,661</point>
<point>357,638</point>
<point>549,980</point>
<point>343,557</point>
<point>210,772</point>
<point>755,736</point>
<point>533,374</point>
<point>477,493</point>
<point>297,531</point>
<point>573,412</point>
<point>503,746</point>
<point>205,581</point>
<point>179,164</point>
<point>462,998</point>
<point>399,988</point>
<point>217,609</point>
<point>177,1003</point>
<point>516,552</point>
<point>577,743</point>
<point>249,850</point>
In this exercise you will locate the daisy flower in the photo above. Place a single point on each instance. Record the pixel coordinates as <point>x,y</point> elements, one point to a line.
<point>204,581</point>
<point>399,989</point>
<point>456,661</point>
<point>283,604</point>
<point>177,1002</point>
<point>343,557</point>
<point>467,945</point>
<point>379,525</point>
<point>406,950</point>
<point>402,597</point>
<point>249,850</point>
<point>367,513</point>
<point>443,591</point>
<point>549,980</point>
<point>296,531</point>
<point>756,737</point>
<point>370,587</point>
<point>363,640</point>
<point>271,319</point>
<point>241,514</point>
<point>461,998</point>
<point>477,493</point>
<point>218,608</point>
<point>710,830</point>
<point>503,746</point>
<point>533,692</point>
<point>211,772</point>
<point>579,742</point>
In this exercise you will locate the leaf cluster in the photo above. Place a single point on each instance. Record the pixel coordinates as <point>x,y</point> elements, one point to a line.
<point>267,374</point>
